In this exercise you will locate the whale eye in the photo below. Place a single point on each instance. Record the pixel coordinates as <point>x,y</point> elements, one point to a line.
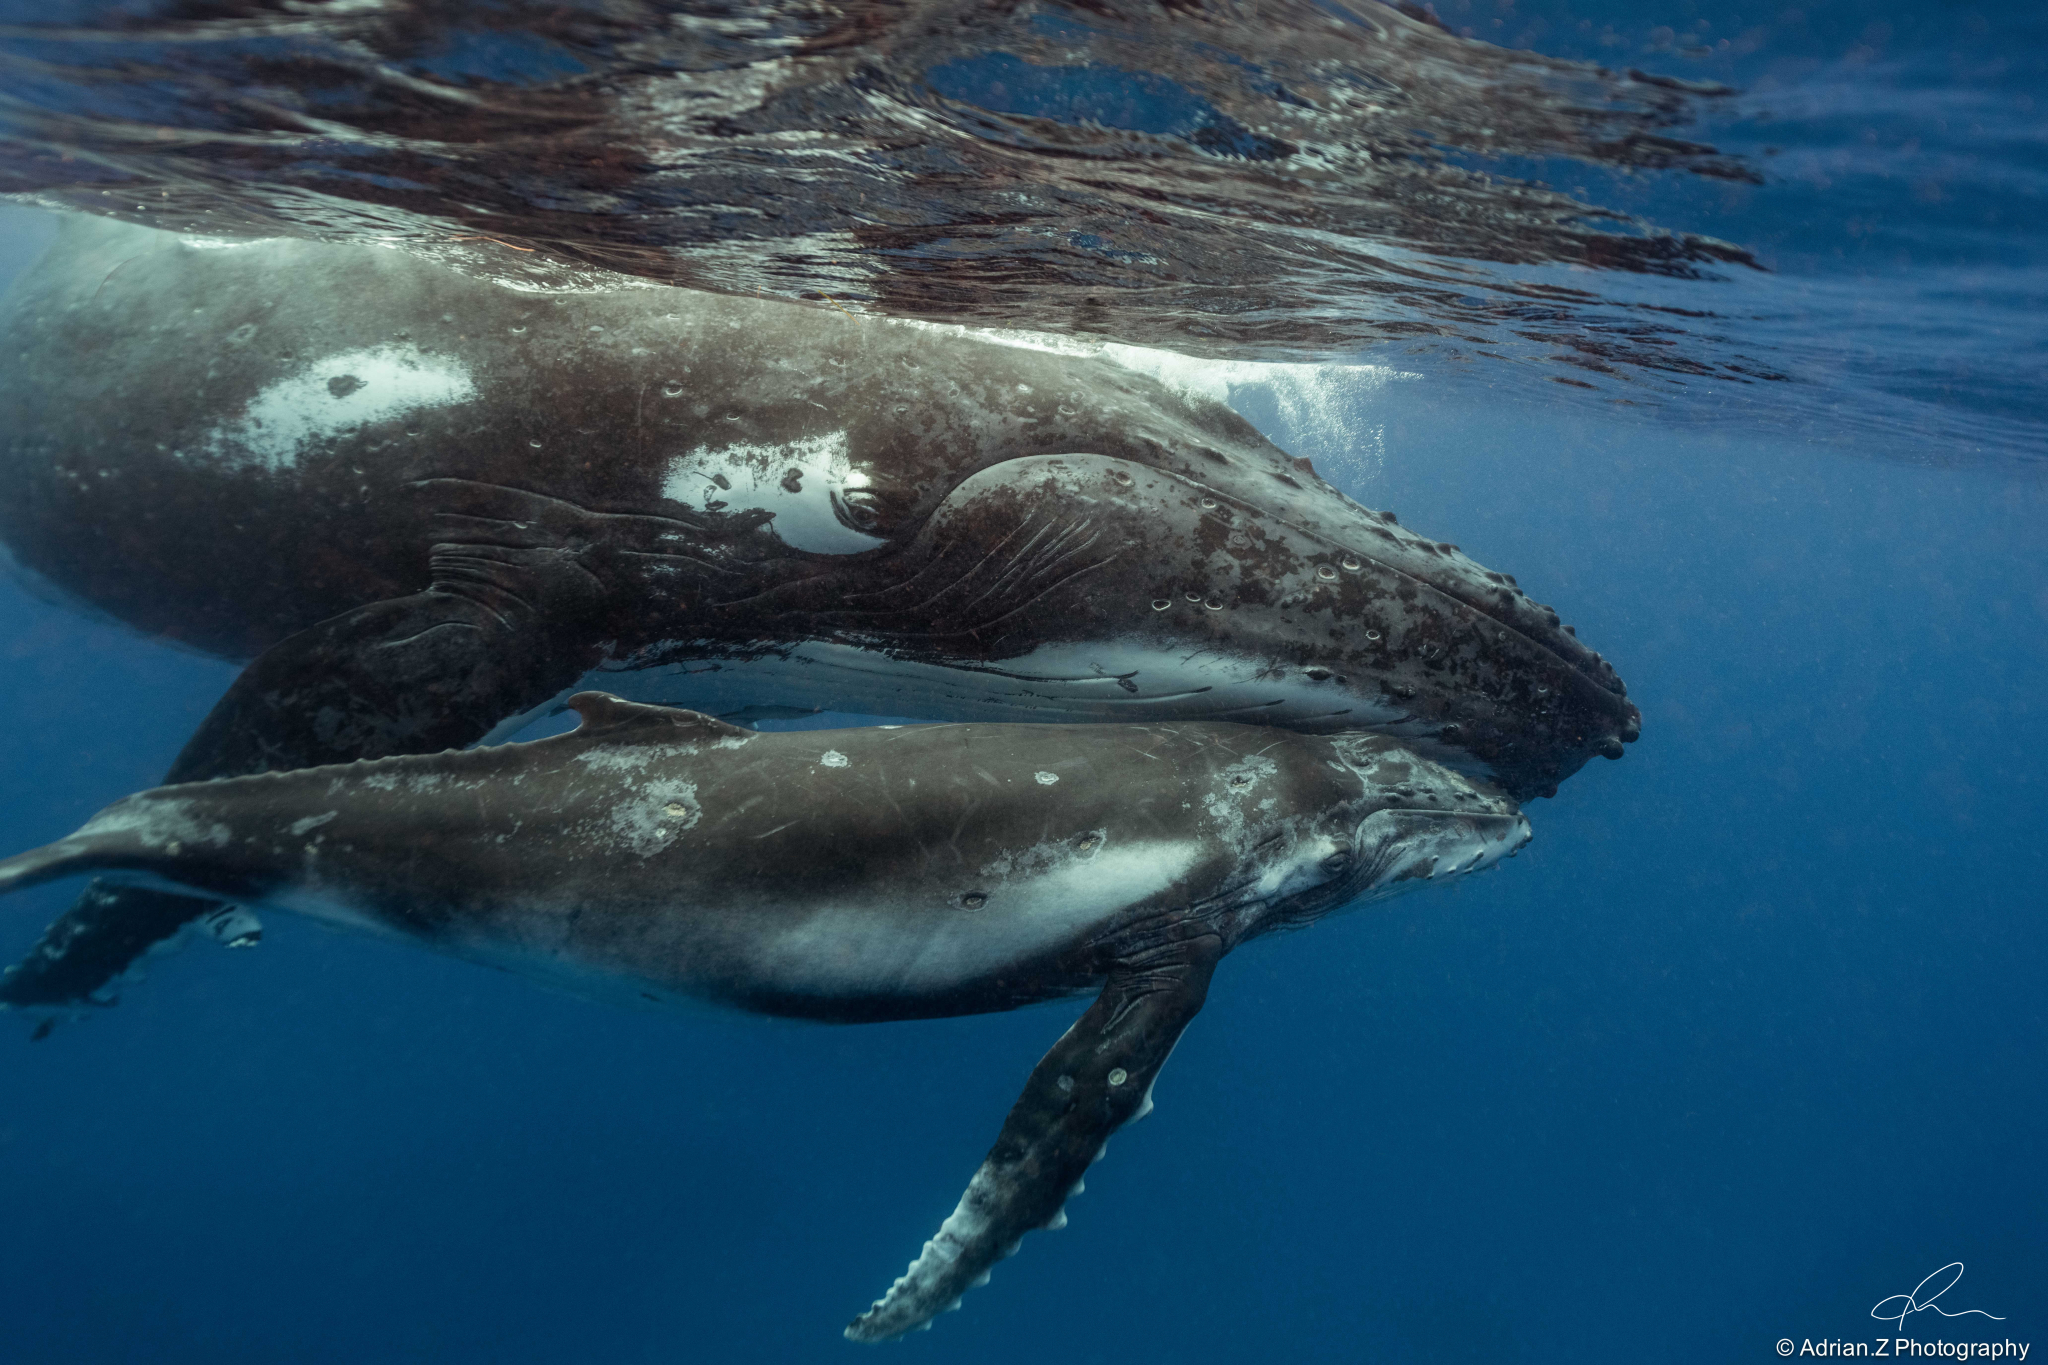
<point>859,509</point>
<point>1336,863</point>
<point>974,900</point>
<point>876,508</point>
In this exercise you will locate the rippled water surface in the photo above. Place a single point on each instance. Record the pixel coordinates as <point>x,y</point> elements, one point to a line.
<point>1826,216</point>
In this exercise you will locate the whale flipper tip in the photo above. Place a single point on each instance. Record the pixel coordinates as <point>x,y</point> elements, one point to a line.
<point>1094,1081</point>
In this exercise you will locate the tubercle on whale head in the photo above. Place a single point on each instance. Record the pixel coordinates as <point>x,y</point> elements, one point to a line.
<point>1489,678</point>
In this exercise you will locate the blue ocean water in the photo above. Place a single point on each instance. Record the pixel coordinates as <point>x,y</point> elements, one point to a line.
<point>1749,1039</point>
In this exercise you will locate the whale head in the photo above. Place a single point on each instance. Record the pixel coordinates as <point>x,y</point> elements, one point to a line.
<point>1411,823</point>
<point>1423,822</point>
<point>1087,587</point>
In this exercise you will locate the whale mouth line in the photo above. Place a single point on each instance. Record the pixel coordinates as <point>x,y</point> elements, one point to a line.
<point>1140,698</point>
<point>1118,678</point>
<point>1458,814</point>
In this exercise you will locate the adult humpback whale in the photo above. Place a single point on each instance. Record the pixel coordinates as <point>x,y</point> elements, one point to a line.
<point>883,873</point>
<point>428,505</point>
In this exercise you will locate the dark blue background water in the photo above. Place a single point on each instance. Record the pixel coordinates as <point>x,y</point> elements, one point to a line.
<point>1750,1038</point>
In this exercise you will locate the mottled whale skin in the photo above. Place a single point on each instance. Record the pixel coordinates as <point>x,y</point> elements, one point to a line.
<point>881,873</point>
<point>428,506</point>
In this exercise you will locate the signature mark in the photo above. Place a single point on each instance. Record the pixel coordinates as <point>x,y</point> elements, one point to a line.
<point>1909,1304</point>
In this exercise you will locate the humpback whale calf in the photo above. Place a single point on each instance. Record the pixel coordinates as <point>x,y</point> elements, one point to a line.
<point>880,873</point>
<point>429,505</point>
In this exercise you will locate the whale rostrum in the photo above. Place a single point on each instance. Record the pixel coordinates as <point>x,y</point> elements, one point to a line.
<point>428,506</point>
<point>845,875</point>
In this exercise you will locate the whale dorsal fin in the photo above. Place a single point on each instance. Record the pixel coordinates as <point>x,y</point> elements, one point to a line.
<point>608,717</point>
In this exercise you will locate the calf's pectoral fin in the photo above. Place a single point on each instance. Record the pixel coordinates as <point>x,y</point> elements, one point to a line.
<point>502,629</point>
<point>1096,1079</point>
<point>107,930</point>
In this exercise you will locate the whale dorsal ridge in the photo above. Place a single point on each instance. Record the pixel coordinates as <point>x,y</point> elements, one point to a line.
<point>608,717</point>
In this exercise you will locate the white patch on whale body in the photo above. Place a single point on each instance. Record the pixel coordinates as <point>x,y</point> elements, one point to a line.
<point>797,481</point>
<point>167,823</point>
<point>832,758</point>
<point>649,819</point>
<point>1041,902</point>
<point>311,823</point>
<point>1239,779</point>
<point>333,396</point>
<point>633,758</point>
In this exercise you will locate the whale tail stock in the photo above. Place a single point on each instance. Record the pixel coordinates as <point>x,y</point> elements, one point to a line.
<point>127,918</point>
<point>436,669</point>
<point>1096,1079</point>
<point>45,864</point>
<point>81,852</point>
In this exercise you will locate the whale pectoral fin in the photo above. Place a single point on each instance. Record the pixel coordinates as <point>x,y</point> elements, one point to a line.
<point>503,628</point>
<point>435,670</point>
<point>105,932</point>
<point>1095,1080</point>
